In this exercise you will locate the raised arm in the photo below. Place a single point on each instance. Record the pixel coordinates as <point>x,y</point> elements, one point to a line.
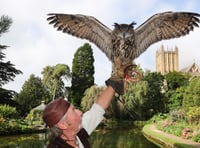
<point>106,96</point>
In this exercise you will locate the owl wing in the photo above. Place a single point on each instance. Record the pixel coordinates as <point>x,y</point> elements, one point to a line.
<point>85,27</point>
<point>164,26</point>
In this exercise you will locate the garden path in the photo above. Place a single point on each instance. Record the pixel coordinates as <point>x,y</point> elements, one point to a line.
<point>179,139</point>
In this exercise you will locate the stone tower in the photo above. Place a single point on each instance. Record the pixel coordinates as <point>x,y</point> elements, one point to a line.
<point>167,60</point>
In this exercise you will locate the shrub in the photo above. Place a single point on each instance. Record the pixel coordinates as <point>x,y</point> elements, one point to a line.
<point>185,132</point>
<point>177,115</point>
<point>1,119</point>
<point>175,130</point>
<point>158,117</point>
<point>8,112</point>
<point>34,117</point>
<point>193,114</point>
<point>197,138</point>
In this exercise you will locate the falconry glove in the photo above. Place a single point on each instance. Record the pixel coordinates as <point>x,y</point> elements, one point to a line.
<point>117,85</point>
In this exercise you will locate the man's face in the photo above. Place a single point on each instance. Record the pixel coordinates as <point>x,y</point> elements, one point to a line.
<point>73,118</point>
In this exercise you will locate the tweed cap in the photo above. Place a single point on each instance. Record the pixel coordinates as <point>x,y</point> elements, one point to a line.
<point>54,111</point>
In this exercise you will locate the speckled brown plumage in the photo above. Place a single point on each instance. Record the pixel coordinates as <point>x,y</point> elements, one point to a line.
<point>124,43</point>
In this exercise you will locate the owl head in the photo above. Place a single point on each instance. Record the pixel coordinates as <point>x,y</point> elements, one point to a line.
<point>124,30</point>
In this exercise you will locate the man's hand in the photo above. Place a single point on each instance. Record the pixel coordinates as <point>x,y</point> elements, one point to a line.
<point>117,85</point>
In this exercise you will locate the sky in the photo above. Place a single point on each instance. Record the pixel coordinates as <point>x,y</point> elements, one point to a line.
<point>34,44</point>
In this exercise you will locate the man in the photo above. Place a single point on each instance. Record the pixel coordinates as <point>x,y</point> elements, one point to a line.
<point>69,127</point>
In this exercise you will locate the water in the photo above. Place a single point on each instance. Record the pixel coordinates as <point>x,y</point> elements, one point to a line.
<point>114,137</point>
<point>24,141</point>
<point>120,137</point>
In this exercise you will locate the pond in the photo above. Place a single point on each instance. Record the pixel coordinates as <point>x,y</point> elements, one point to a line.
<point>113,137</point>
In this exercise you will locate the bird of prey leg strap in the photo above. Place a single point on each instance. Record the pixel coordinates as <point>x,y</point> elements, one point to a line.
<point>132,75</point>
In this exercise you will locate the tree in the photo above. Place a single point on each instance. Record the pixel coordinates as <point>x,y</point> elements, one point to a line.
<point>176,79</point>
<point>5,98</point>
<point>156,100</point>
<point>82,73</point>
<point>135,98</point>
<point>7,70</point>
<point>31,95</point>
<point>144,98</point>
<point>175,98</point>
<point>192,94</point>
<point>115,110</point>
<point>5,23</point>
<point>176,84</point>
<point>53,79</point>
<point>90,96</point>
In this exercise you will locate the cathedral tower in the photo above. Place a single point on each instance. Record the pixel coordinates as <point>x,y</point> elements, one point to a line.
<point>167,60</point>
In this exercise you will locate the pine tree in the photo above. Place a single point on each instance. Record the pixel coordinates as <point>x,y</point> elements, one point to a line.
<point>7,70</point>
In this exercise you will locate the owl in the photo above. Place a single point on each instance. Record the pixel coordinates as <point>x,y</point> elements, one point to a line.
<point>125,43</point>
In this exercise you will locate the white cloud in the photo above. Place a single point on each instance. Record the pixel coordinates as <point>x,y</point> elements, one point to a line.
<point>34,44</point>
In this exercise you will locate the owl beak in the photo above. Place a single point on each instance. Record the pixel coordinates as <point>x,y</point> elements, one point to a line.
<point>124,35</point>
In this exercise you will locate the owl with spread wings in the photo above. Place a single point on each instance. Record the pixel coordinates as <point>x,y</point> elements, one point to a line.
<point>124,43</point>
